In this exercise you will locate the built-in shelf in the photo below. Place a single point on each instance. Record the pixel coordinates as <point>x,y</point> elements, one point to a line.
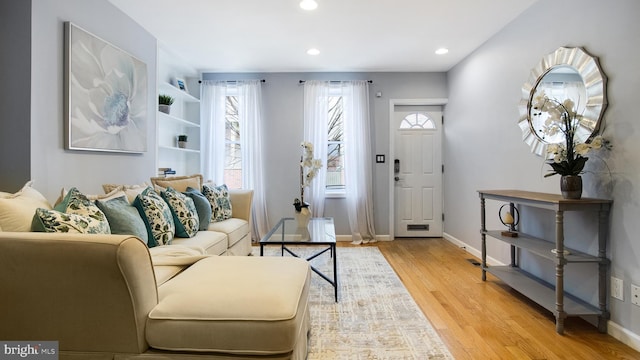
<point>181,121</point>
<point>174,148</point>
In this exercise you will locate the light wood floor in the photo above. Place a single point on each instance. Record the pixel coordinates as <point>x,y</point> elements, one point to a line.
<point>488,320</point>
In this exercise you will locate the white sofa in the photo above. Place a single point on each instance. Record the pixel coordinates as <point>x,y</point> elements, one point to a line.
<point>106,296</point>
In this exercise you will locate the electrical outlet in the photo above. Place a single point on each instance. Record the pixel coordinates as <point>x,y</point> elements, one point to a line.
<point>616,289</point>
<point>635,294</point>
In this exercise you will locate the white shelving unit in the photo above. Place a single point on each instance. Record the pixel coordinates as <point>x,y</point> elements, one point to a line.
<point>184,118</point>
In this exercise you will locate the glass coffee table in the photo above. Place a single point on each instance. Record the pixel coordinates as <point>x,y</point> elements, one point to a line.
<point>320,233</point>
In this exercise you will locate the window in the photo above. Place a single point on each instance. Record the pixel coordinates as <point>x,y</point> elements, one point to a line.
<point>233,155</point>
<point>417,121</point>
<point>335,144</point>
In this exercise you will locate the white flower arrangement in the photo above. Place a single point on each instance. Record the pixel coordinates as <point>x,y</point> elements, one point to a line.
<point>568,157</point>
<point>309,168</point>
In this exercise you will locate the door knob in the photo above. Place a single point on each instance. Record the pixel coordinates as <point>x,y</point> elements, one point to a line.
<point>396,178</point>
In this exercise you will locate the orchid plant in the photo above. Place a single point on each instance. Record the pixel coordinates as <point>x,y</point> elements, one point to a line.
<point>568,157</point>
<point>309,168</point>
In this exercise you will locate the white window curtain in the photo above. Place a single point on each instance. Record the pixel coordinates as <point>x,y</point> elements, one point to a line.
<point>358,171</point>
<point>357,159</point>
<point>213,142</point>
<point>316,122</point>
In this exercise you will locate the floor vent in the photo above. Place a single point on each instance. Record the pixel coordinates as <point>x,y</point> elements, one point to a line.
<point>473,262</point>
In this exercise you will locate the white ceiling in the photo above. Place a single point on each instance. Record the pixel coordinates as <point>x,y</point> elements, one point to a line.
<point>352,35</point>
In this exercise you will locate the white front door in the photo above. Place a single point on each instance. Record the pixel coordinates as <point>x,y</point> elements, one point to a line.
<point>418,172</point>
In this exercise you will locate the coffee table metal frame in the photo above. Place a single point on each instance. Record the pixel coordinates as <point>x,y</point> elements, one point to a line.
<point>319,235</point>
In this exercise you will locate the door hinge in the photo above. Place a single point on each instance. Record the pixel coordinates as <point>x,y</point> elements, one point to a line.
<point>442,216</point>
<point>443,168</point>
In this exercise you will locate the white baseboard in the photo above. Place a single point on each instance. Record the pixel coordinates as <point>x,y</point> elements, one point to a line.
<point>473,251</point>
<point>624,335</point>
<point>618,332</point>
<point>348,238</point>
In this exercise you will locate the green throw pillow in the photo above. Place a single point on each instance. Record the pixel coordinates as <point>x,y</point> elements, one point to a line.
<point>123,218</point>
<point>184,212</point>
<point>156,216</point>
<point>220,201</point>
<point>78,204</point>
<point>203,207</point>
<point>56,221</point>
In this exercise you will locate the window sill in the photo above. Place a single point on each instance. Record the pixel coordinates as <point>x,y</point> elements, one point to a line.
<point>335,194</point>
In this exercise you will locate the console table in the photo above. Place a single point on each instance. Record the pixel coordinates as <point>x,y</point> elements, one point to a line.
<point>550,296</point>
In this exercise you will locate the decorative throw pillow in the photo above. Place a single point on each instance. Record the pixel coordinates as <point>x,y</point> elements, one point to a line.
<point>57,221</point>
<point>179,183</point>
<point>123,217</point>
<point>156,216</point>
<point>130,190</point>
<point>220,201</point>
<point>17,209</point>
<point>93,197</point>
<point>78,204</point>
<point>203,207</point>
<point>185,215</point>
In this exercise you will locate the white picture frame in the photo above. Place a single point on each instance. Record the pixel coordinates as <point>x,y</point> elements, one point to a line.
<point>105,95</point>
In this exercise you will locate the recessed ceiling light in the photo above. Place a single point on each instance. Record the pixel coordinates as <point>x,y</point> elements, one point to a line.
<point>308,4</point>
<point>313,51</point>
<point>442,51</point>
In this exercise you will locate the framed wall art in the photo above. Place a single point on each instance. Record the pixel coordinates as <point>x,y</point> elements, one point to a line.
<point>106,95</point>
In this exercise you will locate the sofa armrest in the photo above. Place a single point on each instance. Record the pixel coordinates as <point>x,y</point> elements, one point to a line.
<point>89,292</point>
<point>241,200</point>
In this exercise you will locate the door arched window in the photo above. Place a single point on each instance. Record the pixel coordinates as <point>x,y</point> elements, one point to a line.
<point>417,121</point>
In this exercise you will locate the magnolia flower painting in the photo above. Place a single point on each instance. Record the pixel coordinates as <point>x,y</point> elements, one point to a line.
<point>107,96</point>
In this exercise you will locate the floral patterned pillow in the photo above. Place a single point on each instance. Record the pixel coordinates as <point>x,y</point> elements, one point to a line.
<point>56,221</point>
<point>157,217</point>
<point>185,215</point>
<point>76,203</point>
<point>220,201</point>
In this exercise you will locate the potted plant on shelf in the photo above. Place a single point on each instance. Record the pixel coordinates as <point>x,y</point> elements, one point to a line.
<point>182,141</point>
<point>164,103</point>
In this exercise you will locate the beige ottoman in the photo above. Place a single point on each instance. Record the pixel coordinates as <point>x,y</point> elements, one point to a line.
<point>236,305</point>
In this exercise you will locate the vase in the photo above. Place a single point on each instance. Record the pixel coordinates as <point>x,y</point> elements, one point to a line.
<point>182,144</point>
<point>571,186</point>
<point>302,218</point>
<point>164,108</point>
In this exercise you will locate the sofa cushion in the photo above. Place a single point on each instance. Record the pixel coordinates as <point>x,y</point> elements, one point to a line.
<point>203,207</point>
<point>76,203</point>
<point>156,216</point>
<point>206,242</point>
<point>220,201</point>
<point>180,183</point>
<point>185,215</point>
<point>213,306</point>
<point>235,229</point>
<point>17,209</point>
<point>123,217</point>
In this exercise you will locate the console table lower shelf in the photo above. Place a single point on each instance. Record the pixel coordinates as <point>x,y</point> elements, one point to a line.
<point>540,291</point>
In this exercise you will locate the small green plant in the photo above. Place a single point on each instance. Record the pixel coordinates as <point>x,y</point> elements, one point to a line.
<point>182,137</point>
<point>165,99</point>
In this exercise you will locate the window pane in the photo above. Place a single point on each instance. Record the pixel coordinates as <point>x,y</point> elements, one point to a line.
<point>233,156</point>
<point>335,165</point>
<point>335,150</point>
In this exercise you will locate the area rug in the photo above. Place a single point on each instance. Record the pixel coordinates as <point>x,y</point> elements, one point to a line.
<point>375,317</point>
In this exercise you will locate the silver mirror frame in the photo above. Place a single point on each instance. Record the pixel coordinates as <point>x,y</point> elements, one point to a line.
<point>595,82</point>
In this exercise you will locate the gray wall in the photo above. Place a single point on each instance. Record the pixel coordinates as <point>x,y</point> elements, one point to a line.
<point>51,166</point>
<point>483,147</point>
<point>283,103</point>
<point>15,76</point>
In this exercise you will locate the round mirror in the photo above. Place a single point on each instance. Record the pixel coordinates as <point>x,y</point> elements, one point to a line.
<point>567,73</point>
